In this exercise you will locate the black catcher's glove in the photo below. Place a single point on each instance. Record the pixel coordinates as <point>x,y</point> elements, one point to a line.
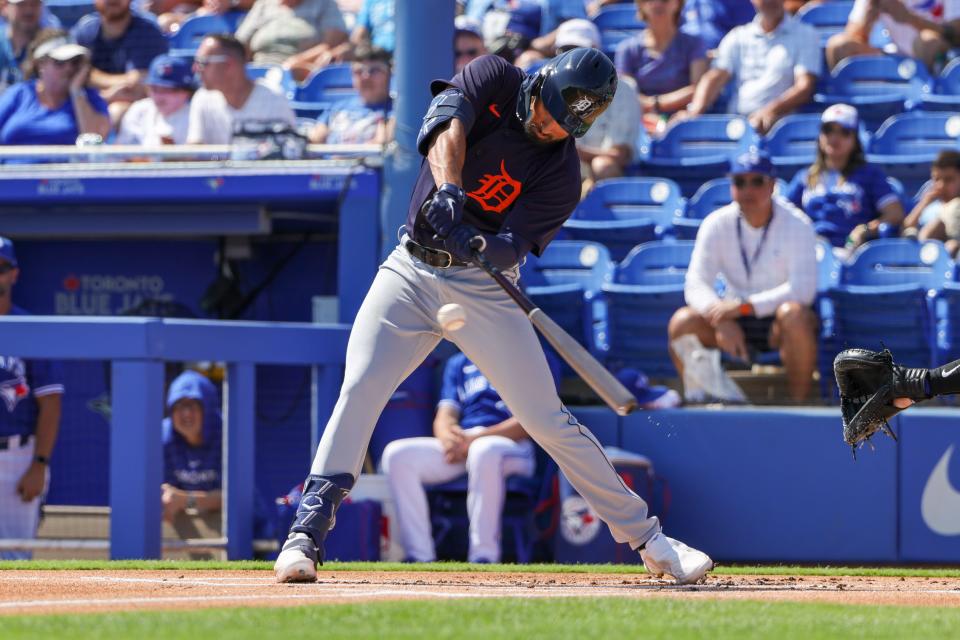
<point>868,382</point>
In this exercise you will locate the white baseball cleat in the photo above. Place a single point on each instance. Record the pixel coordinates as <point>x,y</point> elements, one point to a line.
<point>297,561</point>
<point>666,556</point>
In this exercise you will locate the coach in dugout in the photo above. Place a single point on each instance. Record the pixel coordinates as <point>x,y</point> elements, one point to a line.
<point>30,394</point>
<point>765,248</point>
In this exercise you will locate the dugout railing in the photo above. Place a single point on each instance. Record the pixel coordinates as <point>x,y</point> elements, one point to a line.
<point>138,349</point>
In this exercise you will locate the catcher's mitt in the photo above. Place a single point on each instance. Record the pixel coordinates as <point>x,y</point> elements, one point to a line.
<point>868,382</point>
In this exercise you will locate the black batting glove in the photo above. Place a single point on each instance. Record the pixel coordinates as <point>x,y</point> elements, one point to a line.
<point>445,209</point>
<point>463,240</point>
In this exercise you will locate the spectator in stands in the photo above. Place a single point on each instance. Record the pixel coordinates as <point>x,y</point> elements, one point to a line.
<point>29,423</point>
<point>172,13</point>
<point>609,146</point>
<point>474,433</point>
<point>467,42</point>
<point>164,115</point>
<point>710,20</point>
<point>375,26</point>
<point>553,13</point>
<point>665,62</point>
<point>22,18</point>
<point>772,64</point>
<point>940,203</point>
<point>367,117</point>
<point>275,30</point>
<point>923,29</point>
<point>228,96</point>
<point>766,251</point>
<point>54,105</point>
<point>122,45</point>
<point>192,447</point>
<point>846,198</point>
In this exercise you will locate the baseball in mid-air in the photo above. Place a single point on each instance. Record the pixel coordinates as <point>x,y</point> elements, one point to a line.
<point>451,317</point>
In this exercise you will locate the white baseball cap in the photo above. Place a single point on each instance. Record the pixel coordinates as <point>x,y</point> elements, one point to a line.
<point>60,49</point>
<point>843,114</point>
<point>578,33</point>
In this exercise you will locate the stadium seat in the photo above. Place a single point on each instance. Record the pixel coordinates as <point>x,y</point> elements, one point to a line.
<point>828,18</point>
<point>946,90</point>
<point>69,12</point>
<point>324,87</point>
<point>620,16</point>
<point>193,30</point>
<point>947,318</point>
<point>792,142</point>
<point>711,195</point>
<point>647,290</point>
<point>828,277</point>
<point>564,282</point>
<point>906,144</point>
<point>885,297</point>
<point>624,212</point>
<point>696,150</point>
<point>275,76</point>
<point>878,86</point>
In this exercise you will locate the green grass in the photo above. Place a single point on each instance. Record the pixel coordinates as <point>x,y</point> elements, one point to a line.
<point>192,565</point>
<point>600,618</point>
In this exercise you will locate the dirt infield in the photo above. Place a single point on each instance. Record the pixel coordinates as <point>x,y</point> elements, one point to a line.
<point>46,592</point>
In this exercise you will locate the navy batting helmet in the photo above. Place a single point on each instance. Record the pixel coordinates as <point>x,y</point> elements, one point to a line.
<point>575,87</point>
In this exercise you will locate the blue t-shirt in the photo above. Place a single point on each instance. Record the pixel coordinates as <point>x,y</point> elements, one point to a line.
<point>469,391</point>
<point>513,184</point>
<point>350,121</point>
<point>135,49</point>
<point>24,120</point>
<point>661,73</point>
<point>376,16</point>
<point>187,467</point>
<point>21,383</point>
<point>836,206</point>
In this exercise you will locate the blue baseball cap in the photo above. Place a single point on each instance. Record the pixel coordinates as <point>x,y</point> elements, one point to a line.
<point>648,396</point>
<point>6,251</point>
<point>171,71</point>
<point>753,161</point>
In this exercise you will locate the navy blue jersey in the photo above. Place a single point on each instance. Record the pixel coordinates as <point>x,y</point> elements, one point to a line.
<point>21,383</point>
<point>468,391</point>
<point>512,183</point>
<point>188,467</point>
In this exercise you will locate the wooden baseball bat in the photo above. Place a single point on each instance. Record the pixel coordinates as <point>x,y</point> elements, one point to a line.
<point>587,367</point>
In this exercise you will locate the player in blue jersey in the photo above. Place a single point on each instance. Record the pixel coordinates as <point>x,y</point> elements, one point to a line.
<point>501,174</point>
<point>476,434</point>
<point>30,394</point>
<point>192,446</point>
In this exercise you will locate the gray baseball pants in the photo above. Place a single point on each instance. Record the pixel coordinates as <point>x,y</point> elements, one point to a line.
<point>396,329</point>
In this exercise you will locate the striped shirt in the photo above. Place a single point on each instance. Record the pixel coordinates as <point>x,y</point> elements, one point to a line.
<point>783,269</point>
<point>764,65</point>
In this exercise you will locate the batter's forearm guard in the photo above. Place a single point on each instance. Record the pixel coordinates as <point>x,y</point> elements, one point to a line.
<point>945,380</point>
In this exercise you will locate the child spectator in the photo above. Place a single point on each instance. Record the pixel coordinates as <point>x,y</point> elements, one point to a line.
<point>164,115</point>
<point>937,213</point>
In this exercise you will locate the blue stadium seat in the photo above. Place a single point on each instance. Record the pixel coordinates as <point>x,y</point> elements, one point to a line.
<point>564,282</point>
<point>193,30</point>
<point>624,212</point>
<point>620,16</point>
<point>696,150</point>
<point>828,18</point>
<point>711,195</point>
<point>324,87</point>
<point>946,90</point>
<point>69,12</point>
<point>792,142</point>
<point>275,76</point>
<point>878,86</point>
<point>828,277</point>
<point>947,318</point>
<point>885,297</point>
<point>647,290</point>
<point>906,144</point>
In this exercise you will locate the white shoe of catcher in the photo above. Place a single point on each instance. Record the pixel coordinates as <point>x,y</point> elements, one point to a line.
<point>666,556</point>
<point>297,561</point>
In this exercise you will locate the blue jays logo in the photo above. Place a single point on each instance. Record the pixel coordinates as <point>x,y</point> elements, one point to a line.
<point>13,391</point>
<point>578,522</point>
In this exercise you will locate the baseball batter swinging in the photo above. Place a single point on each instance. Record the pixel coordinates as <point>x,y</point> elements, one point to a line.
<point>501,174</point>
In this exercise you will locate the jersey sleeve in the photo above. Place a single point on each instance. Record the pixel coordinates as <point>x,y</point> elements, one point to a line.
<point>795,189</point>
<point>46,377</point>
<point>487,79</point>
<point>880,192</point>
<point>452,382</point>
<point>10,101</point>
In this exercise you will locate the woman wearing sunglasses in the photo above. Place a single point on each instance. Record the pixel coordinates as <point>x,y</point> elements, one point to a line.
<point>846,198</point>
<point>54,104</point>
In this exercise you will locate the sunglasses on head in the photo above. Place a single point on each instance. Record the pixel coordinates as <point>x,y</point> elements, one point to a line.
<point>754,181</point>
<point>827,129</point>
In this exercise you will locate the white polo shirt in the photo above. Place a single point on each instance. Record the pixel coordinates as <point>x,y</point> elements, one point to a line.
<point>783,265</point>
<point>212,118</point>
<point>764,65</point>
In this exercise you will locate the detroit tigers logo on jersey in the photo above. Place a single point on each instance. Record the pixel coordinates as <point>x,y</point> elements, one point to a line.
<point>496,192</point>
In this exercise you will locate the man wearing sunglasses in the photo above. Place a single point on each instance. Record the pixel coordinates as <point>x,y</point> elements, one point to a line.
<point>765,249</point>
<point>467,42</point>
<point>30,393</point>
<point>500,175</point>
